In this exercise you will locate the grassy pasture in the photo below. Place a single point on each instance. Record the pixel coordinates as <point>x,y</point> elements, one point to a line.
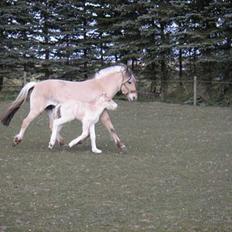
<point>175,176</point>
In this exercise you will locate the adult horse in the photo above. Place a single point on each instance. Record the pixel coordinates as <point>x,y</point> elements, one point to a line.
<point>45,95</point>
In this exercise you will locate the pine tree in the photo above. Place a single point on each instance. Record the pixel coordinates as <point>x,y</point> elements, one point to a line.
<point>156,29</point>
<point>77,36</point>
<point>105,18</point>
<point>44,32</point>
<point>15,34</point>
<point>127,39</point>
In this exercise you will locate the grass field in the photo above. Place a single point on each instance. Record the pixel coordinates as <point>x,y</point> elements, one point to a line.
<point>175,176</point>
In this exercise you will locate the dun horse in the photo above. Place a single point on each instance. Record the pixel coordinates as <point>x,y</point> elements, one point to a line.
<point>87,112</point>
<point>45,95</point>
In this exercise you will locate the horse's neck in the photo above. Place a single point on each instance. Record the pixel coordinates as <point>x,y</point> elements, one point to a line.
<point>110,84</point>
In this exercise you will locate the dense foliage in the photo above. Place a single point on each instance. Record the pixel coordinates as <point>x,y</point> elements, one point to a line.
<point>161,40</point>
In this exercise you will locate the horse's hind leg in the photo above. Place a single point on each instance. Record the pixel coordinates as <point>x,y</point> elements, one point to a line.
<point>26,122</point>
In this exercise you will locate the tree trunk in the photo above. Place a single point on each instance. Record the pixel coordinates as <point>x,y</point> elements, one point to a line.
<point>46,42</point>
<point>194,61</point>
<point>164,76</point>
<point>164,79</point>
<point>85,39</point>
<point>180,68</point>
<point>1,82</point>
<point>68,52</point>
<point>133,64</point>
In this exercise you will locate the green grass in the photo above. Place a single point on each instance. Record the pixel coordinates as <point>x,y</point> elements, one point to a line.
<point>175,175</point>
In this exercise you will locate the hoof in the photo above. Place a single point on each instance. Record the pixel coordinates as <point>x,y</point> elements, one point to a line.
<point>97,151</point>
<point>121,147</point>
<point>61,142</point>
<point>50,146</point>
<point>16,141</point>
<point>70,145</point>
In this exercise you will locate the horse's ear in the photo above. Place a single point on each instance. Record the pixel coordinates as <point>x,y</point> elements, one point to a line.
<point>128,71</point>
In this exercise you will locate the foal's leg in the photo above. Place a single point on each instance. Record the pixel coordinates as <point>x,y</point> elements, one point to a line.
<point>59,138</point>
<point>93,140</point>
<point>57,125</point>
<point>106,121</point>
<point>51,116</point>
<point>85,133</point>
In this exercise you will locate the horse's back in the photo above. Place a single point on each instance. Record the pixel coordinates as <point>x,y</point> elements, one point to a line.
<point>61,90</point>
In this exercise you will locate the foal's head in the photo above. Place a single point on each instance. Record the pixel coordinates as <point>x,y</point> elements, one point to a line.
<point>106,103</point>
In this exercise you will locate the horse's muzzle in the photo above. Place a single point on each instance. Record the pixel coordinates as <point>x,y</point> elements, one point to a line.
<point>132,96</point>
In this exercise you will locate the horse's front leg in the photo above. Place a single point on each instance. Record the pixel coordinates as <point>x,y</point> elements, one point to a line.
<point>106,121</point>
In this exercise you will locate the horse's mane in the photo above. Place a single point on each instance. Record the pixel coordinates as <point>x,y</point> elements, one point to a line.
<point>109,70</point>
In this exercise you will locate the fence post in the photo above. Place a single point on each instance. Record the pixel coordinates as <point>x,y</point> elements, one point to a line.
<point>195,91</point>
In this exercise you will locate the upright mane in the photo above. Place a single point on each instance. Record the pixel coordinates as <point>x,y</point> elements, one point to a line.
<point>109,70</point>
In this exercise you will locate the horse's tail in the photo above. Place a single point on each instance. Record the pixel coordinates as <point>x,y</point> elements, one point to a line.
<point>15,105</point>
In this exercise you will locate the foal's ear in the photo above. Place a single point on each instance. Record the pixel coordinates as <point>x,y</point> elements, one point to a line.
<point>104,94</point>
<point>103,97</point>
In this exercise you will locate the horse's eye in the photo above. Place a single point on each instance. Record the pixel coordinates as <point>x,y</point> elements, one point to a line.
<point>129,82</point>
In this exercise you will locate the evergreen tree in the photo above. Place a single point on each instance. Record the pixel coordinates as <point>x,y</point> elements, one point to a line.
<point>76,38</point>
<point>105,18</point>
<point>4,7</point>
<point>128,40</point>
<point>156,29</point>
<point>15,35</point>
<point>44,33</point>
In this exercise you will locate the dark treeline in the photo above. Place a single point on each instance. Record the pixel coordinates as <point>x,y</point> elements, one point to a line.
<point>160,40</point>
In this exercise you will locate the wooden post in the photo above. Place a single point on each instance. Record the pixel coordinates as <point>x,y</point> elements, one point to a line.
<point>195,91</point>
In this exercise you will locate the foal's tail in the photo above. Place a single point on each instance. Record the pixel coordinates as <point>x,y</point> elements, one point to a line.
<point>15,105</point>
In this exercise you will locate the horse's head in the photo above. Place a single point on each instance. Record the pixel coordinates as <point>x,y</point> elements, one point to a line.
<point>128,86</point>
<point>106,102</point>
<point>124,81</point>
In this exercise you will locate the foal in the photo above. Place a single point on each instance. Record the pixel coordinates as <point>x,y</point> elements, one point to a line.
<point>87,112</point>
